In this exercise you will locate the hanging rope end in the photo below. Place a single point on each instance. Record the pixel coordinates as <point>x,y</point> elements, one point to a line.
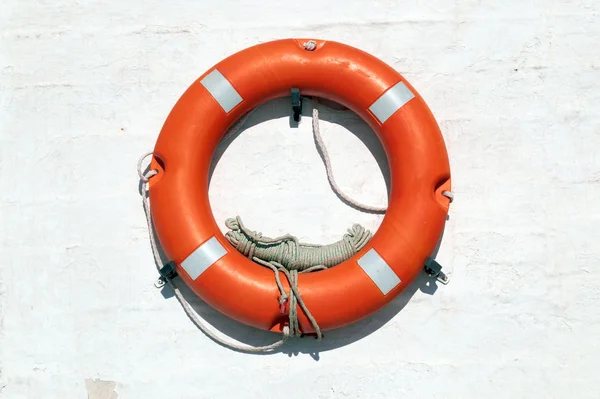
<point>145,177</point>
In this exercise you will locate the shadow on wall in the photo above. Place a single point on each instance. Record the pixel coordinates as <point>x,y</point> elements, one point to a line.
<point>332,339</point>
<point>328,111</point>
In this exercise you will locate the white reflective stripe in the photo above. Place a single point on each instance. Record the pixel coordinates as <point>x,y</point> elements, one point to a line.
<point>203,257</point>
<point>221,90</point>
<point>391,101</point>
<point>379,271</point>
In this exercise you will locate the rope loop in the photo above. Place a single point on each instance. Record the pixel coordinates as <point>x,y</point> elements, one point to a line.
<point>327,161</point>
<point>190,312</point>
<point>449,195</point>
<point>145,177</point>
<point>310,45</point>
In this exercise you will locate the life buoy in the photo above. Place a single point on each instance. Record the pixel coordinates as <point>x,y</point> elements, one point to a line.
<point>417,206</point>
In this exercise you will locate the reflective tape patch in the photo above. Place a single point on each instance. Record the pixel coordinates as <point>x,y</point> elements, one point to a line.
<point>203,257</point>
<point>391,101</point>
<point>379,271</point>
<point>221,90</point>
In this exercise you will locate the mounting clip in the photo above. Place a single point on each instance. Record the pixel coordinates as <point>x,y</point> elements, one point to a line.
<point>434,270</point>
<point>167,272</point>
<point>296,104</point>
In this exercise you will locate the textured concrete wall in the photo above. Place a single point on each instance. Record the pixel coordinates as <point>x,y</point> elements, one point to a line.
<point>515,85</point>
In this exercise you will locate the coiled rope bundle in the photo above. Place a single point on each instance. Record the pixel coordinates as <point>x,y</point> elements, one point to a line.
<point>291,254</point>
<point>287,255</point>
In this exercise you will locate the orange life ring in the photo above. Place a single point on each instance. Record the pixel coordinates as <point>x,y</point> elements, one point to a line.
<point>417,207</point>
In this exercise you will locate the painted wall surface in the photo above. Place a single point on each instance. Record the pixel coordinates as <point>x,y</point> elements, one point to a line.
<point>515,85</point>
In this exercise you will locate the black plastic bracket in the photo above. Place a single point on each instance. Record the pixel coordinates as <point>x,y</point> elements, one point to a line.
<point>434,270</point>
<point>168,272</point>
<point>296,104</point>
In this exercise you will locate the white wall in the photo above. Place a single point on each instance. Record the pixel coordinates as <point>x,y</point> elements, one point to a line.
<point>84,90</point>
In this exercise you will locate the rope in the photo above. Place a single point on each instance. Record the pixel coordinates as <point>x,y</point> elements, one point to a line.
<point>327,161</point>
<point>310,45</point>
<point>291,254</point>
<point>184,303</point>
<point>336,189</point>
<point>285,254</point>
<point>449,195</point>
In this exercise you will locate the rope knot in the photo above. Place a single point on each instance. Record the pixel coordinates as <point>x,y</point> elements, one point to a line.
<point>310,45</point>
<point>232,224</point>
<point>358,237</point>
<point>145,177</point>
<point>285,254</point>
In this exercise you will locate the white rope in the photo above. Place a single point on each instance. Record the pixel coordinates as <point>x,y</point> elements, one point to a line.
<point>294,296</point>
<point>145,177</point>
<point>327,162</point>
<point>287,255</point>
<point>449,195</point>
<point>310,45</point>
<point>184,303</point>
